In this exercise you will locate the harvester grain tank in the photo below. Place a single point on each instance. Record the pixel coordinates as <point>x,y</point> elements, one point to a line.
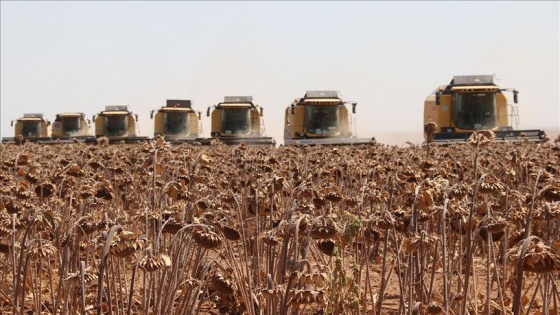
<point>470,103</point>
<point>118,124</point>
<point>237,119</point>
<point>320,117</point>
<point>30,128</point>
<point>177,122</point>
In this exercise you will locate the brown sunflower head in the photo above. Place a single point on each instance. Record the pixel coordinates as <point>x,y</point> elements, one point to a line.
<point>152,262</point>
<point>324,227</point>
<point>223,284</point>
<point>206,238</point>
<point>327,247</point>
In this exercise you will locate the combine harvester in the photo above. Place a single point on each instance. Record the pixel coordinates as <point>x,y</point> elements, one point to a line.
<point>238,120</point>
<point>177,122</point>
<point>320,117</point>
<point>67,128</point>
<point>30,128</point>
<point>117,124</point>
<point>472,103</point>
<point>71,127</point>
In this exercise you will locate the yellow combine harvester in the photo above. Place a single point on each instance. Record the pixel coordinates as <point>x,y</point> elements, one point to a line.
<point>237,119</point>
<point>70,127</point>
<point>30,128</point>
<point>471,103</point>
<point>177,122</point>
<point>117,124</point>
<point>320,117</point>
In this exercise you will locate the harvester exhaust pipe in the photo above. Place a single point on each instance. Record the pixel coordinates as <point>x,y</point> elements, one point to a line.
<point>438,95</point>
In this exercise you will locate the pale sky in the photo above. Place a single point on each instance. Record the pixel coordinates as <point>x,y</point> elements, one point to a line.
<point>387,56</point>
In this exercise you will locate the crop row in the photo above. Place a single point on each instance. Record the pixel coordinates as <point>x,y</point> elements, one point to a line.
<point>157,229</point>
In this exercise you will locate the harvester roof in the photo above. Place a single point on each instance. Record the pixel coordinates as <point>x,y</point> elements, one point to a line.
<point>321,100</point>
<point>236,105</point>
<point>31,117</point>
<point>321,94</point>
<point>473,80</point>
<point>176,109</point>
<point>70,114</point>
<point>115,110</point>
<point>476,88</point>
<point>237,102</point>
<point>179,103</point>
<point>114,113</point>
<point>471,83</point>
<point>238,99</point>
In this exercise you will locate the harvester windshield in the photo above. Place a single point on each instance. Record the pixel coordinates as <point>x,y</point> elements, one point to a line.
<point>321,119</point>
<point>175,123</point>
<point>70,125</point>
<point>116,125</point>
<point>31,128</point>
<point>474,111</point>
<point>236,121</point>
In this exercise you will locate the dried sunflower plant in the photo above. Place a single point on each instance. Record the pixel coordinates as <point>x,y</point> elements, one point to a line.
<point>154,228</point>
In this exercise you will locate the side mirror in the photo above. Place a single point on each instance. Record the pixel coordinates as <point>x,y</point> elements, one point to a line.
<point>12,123</point>
<point>199,115</point>
<point>136,116</point>
<point>438,95</point>
<point>89,122</point>
<point>354,108</point>
<point>208,112</point>
<point>261,111</point>
<point>151,114</point>
<point>293,109</point>
<point>515,92</point>
<point>93,118</point>
<point>48,123</point>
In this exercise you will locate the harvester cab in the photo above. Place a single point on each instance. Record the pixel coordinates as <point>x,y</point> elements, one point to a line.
<point>320,117</point>
<point>471,103</point>
<point>118,124</point>
<point>30,128</point>
<point>69,127</point>
<point>177,122</point>
<point>237,119</point>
